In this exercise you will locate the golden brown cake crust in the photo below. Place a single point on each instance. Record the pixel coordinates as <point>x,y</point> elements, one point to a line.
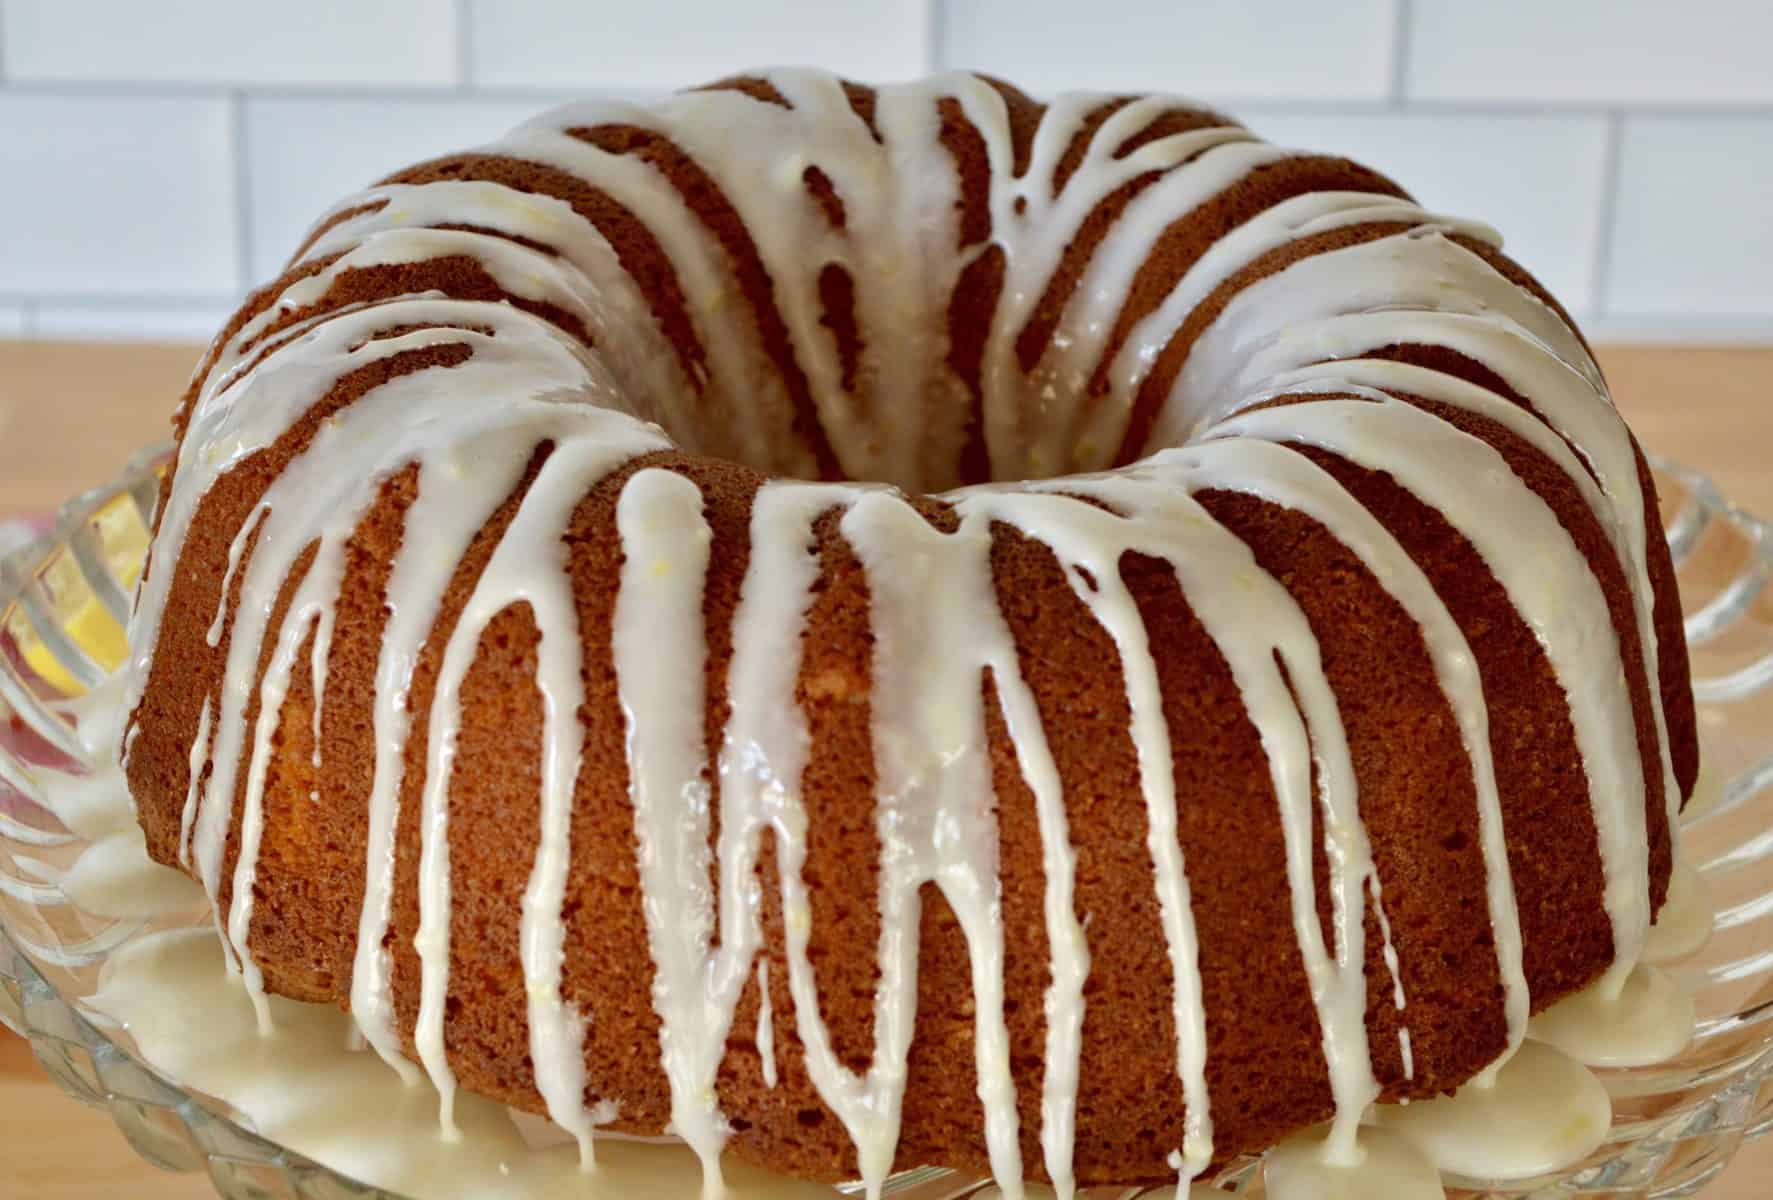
<point>1265,1067</point>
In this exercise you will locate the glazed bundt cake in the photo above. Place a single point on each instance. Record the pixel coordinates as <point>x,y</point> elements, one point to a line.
<point>869,627</point>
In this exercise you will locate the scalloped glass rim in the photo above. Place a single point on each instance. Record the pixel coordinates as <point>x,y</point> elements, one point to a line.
<point>65,597</point>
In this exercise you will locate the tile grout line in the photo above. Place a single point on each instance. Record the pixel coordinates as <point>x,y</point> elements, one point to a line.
<point>1345,106</point>
<point>1602,271</point>
<point>125,89</point>
<point>935,30</point>
<point>1401,19</point>
<point>242,191</point>
<point>464,46</point>
<point>543,93</point>
<point>100,300</point>
<point>103,299</point>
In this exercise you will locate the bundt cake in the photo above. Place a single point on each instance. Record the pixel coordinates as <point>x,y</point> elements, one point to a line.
<point>868,627</point>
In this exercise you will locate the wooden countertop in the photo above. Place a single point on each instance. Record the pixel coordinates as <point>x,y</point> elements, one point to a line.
<point>71,414</point>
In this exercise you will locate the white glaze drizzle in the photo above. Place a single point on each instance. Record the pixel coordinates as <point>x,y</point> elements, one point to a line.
<point>199,756</point>
<point>1647,1021</point>
<point>658,642</point>
<point>1415,287</point>
<point>443,516</point>
<point>526,568</point>
<point>1258,628</point>
<point>1386,1166</point>
<point>1473,487</point>
<point>1297,483</point>
<point>935,819</point>
<point>308,1088</point>
<point>1399,999</point>
<point>235,549</point>
<point>1685,923</point>
<point>935,613</point>
<point>1540,1111</point>
<point>766,1024</point>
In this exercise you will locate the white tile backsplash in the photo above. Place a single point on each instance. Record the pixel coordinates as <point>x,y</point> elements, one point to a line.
<point>1694,223</point>
<point>1609,51</point>
<point>117,194</point>
<point>1538,179</point>
<point>579,45</point>
<point>303,155</point>
<point>158,157</point>
<point>387,43</point>
<point>1262,48</point>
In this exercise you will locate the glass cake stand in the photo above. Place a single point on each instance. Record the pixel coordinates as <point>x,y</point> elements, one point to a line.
<point>63,603</point>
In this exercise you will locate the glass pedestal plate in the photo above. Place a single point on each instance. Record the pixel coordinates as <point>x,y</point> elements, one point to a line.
<point>63,603</point>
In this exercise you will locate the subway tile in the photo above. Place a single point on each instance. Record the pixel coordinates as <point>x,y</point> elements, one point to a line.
<point>12,321</point>
<point>1538,179</point>
<point>1271,49</point>
<point>1691,230</point>
<point>302,156</point>
<point>131,320</point>
<point>571,44</point>
<point>317,42</point>
<point>1625,51</point>
<point>117,194</point>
